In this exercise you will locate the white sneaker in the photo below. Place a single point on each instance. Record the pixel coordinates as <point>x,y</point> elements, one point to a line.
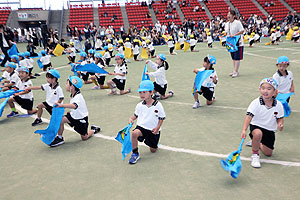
<point>96,87</point>
<point>234,74</point>
<point>249,144</point>
<point>255,161</point>
<point>196,105</point>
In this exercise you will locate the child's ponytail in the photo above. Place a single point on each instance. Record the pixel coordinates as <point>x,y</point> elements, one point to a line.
<point>166,65</point>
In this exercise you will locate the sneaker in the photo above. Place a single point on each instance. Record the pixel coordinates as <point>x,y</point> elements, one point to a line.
<point>129,90</point>
<point>255,161</point>
<point>112,93</point>
<point>134,158</point>
<point>196,105</point>
<point>96,87</point>
<point>37,122</point>
<point>57,141</point>
<point>171,93</point>
<point>12,114</point>
<point>249,144</point>
<point>156,96</point>
<point>235,74</point>
<point>96,129</point>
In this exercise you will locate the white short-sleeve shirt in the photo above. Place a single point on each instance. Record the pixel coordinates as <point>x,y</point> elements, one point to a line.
<point>29,63</point>
<point>171,43</point>
<point>22,85</point>
<point>81,110</point>
<point>209,81</point>
<point>45,59</point>
<point>13,78</point>
<point>263,116</point>
<point>284,82</point>
<point>193,42</point>
<point>136,50</point>
<point>121,70</point>
<point>233,28</point>
<point>148,117</point>
<point>52,94</point>
<point>159,74</point>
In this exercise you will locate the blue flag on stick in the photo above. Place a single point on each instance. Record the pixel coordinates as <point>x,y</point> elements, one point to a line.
<point>145,76</point>
<point>8,93</point>
<point>49,134</point>
<point>231,43</point>
<point>39,63</point>
<point>12,51</point>
<point>282,97</point>
<point>2,105</point>
<point>233,162</point>
<point>124,138</point>
<point>93,68</point>
<point>200,78</point>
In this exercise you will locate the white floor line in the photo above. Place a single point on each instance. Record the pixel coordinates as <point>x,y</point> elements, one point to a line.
<point>180,150</point>
<point>55,68</point>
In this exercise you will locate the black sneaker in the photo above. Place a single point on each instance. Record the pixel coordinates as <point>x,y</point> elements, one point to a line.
<point>96,129</point>
<point>37,122</point>
<point>57,141</point>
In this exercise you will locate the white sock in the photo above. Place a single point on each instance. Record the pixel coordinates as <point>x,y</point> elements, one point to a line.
<point>59,136</point>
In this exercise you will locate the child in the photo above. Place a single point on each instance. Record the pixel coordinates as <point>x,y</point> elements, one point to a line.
<point>28,63</point>
<point>30,48</point>
<point>273,36</point>
<point>72,51</point>
<point>45,60</point>
<point>160,84</point>
<point>251,39</point>
<point>181,40</point>
<point>78,117</point>
<point>107,56</point>
<point>136,49</point>
<point>264,115</point>
<point>284,78</point>
<point>82,57</point>
<point>151,50</point>
<point>22,62</point>
<point>150,115</point>
<point>121,47</point>
<point>127,43</point>
<point>278,34</point>
<point>110,48</point>
<point>171,45</point>
<point>15,59</point>
<point>99,79</point>
<point>24,99</point>
<point>120,72</point>
<point>193,43</point>
<point>223,38</point>
<point>54,94</point>
<point>207,88</point>
<point>11,77</point>
<point>296,34</point>
<point>209,40</point>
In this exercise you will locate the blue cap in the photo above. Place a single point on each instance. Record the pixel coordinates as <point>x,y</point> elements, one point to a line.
<point>146,85</point>
<point>21,55</point>
<point>12,65</point>
<point>271,81</point>
<point>212,59</point>
<point>105,48</point>
<point>119,55</point>
<point>91,51</point>
<point>83,54</point>
<point>26,53</point>
<point>283,60</point>
<point>43,52</point>
<point>23,69</point>
<point>54,73</point>
<point>162,56</point>
<point>76,81</point>
<point>98,55</point>
<point>15,57</point>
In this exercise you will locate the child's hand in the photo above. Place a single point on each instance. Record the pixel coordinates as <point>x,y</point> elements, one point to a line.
<point>130,121</point>
<point>155,130</point>
<point>292,90</point>
<point>243,134</point>
<point>146,73</point>
<point>28,89</point>
<point>214,79</point>
<point>147,61</point>
<point>280,126</point>
<point>57,105</point>
<point>110,73</point>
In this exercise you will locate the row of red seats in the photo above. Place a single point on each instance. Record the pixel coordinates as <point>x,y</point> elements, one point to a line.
<point>279,10</point>
<point>246,8</point>
<point>81,6</point>
<point>295,4</point>
<point>217,7</point>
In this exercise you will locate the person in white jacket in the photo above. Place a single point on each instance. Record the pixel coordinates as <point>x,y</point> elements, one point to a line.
<point>160,84</point>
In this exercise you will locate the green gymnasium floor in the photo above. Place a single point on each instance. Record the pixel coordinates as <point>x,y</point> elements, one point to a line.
<point>192,141</point>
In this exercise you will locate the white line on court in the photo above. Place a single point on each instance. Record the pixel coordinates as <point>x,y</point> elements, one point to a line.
<point>54,68</point>
<point>181,150</point>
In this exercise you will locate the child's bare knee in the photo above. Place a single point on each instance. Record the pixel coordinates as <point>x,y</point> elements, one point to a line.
<point>153,150</point>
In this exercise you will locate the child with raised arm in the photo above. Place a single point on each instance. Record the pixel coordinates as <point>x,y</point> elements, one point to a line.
<point>150,115</point>
<point>264,115</point>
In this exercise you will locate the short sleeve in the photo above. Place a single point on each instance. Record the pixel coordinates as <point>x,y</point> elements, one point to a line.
<point>251,111</point>
<point>137,110</point>
<point>161,112</point>
<point>45,87</point>
<point>152,65</point>
<point>60,93</point>
<point>240,26</point>
<point>280,110</point>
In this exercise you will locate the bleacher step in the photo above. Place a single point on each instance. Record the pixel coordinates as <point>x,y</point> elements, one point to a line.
<point>230,4</point>
<point>153,16</point>
<point>180,13</point>
<point>207,11</point>
<point>260,8</point>
<point>287,5</point>
<point>125,18</point>
<point>96,16</point>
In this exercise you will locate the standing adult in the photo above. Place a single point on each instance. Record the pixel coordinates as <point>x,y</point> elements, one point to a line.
<point>5,44</point>
<point>233,28</point>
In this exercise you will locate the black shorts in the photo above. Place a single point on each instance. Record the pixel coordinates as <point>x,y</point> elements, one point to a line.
<point>159,89</point>
<point>171,49</point>
<point>268,137</point>
<point>207,93</point>
<point>251,42</point>
<point>148,137</point>
<point>72,58</point>
<point>224,43</point>
<point>107,61</point>
<point>278,39</point>
<point>135,56</point>
<point>238,55</point>
<point>101,80</point>
<point>46,66</point>
<point>192,47</point>
<point>273,41</point>
<point>209,44</point>
<point>79,125</point>
<point>27,104</point>
<point>30,70</point>
<point>48,107</point>
<point>120,83</point>
<point>152,52</point>
<point>85,76</point>
<point>181,46</point>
